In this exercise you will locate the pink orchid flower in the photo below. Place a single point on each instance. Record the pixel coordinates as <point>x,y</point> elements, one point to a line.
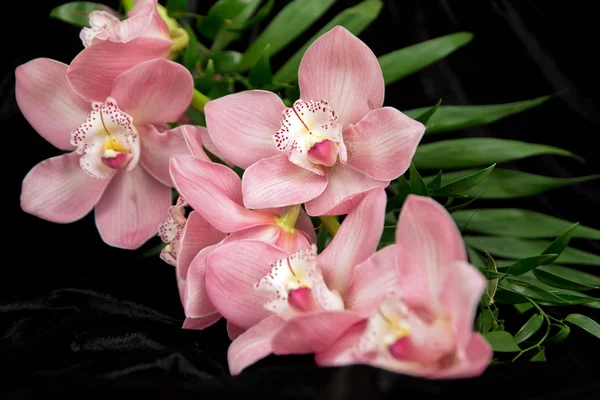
<point>214,191</point>
<point>113,47</point>
<point>331,147</point>
<point>118,160</point>
<point>300,303</point>
<point>425,327</point>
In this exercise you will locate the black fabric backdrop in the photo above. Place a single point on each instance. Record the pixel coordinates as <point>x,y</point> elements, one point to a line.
<point>79,318</point>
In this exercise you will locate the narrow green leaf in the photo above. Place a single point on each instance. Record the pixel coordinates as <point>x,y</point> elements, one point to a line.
<point>475,259</point>
<point>527,264</point>
<point>206,79</point>
<point>426,116</point>
<point>191,53</point>
<point>585,323</point>
<point>510,184</point>
<point>508,247</point>
<point>176,6</point>
<point>561,335</point>
<point>519,223</point>
<point>529,329</point>
<point>227,34</point>
<point>261,14</point>
<point>566,278</point>
<point>221,12</point>
<point>492,285</point>
<point>417,184</point>
<point>502,341</point>
<point>355,19</point>
<point>531,291</point>
<point>459,207</point>
<point>549,294</point>
<point>465,183</point>
<point>404,62</point>
<point>484,321</point>
<point>435,183</point>
<point>560,243</point>
<point>540,356</point>
<point>294,19</point>
<point>454,118</point>
<point>77,13</point>
<point>226,61</point>
<point>389,234</point>
<point>261,74</point>
<point>476,152</point>
<point>523,307</point>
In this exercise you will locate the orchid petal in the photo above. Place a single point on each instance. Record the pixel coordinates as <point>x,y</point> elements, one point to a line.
<point>252,345</point>
<point>477,356</point>
<point>306,227</point>
<point>233,331</point>
<point>428,243</point>
<point>233,270</point>
<point>131,209</point>
<point>194,138</point>
<point>201,323</point>
<point>346,188</point>
<point>192,285</point>
<point>340,68</point>
<point>343,350</point>
<point>214,190</point>
<point>58,190</point>
<point>91,76</point>
<point>47,101</point>
<point>276,182</point>
<point>154,91</point>
<point>157,149</point>
<point>242,125</point>
<point>313,333</point>
<point>383,143</point>
<point>355,241</point>
<point>144,22</point>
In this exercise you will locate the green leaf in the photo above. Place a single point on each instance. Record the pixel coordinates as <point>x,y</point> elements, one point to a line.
<point>510,184</point>
<point>426,116</point>
<point>566,278</point>
<point>219,13</point>
<point>403,190</point>
<point>465,183</point>
<point>502,341</point>
<point>404,62</point>
<point>519,223</point>
<point>226,61</point>
<point>227,33</point>
<point>191,53</point>
<point>76,13</point>
<point>355,19</point>
<point>206,79</point>
<point>294,19</point>
<point>176,6</point>
<point>523,307</point>
<point>262,13</point>
<point>492,285</point>
<point>538,290</point>
<point>475,259</point>
<point>454,118</point>
<point>585,323</point>
<point>540,356</point>
<point>435,183</point>
<point>417,184</point>
<point>389,234</point>
<point>508,247</point>
<point>561,335</point>
<point>461,206</point>
<point>527,290</point>
<point>261,74</point>
<point>529,329</point>
<point>560,243</point>
<point>484,321</point>
<point>475,152</point>
<point>527,264</point>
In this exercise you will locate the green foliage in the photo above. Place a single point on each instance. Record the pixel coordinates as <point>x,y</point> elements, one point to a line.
<point>76,13</point>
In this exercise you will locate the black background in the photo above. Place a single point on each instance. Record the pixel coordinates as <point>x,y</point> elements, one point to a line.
<point>79,318</point>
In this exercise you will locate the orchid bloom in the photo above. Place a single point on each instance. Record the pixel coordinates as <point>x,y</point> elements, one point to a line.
<point>300,303</point>
<point>118,160</point>
<point>113,46</point>
<point>214,191</point>
<point>331,147</point>
<point>425,326</point>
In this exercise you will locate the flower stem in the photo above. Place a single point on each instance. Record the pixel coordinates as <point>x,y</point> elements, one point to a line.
<point>290,216</point>
<point>331,223</point>
<point>199,100</point>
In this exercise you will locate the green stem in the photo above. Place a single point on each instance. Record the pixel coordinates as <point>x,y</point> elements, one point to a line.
<point>331,223</point>
<point>538,344</point>
<point>289,217</point>
<point>128,5</point>
<point>199,100</point>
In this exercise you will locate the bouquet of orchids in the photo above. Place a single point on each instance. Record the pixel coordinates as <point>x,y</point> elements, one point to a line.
<point>301,216</point>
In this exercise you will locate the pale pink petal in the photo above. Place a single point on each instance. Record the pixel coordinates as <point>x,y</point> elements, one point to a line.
<point>140,5</point>
<point>157,149</point>
<point>209,145</point>
<point>92,72</point>
<point>200,323</point>
<point>154,91</point>
<point>372,280</point>
<point>383,143</point>
<point>346,187</point>
<point>242,125</point>
<point>305,225</point>
<point>47,101</point>
<point>252,345</point>
<point>131,209</point>
<point>355,241</point>
<point>233,270</point>
<point>58,190</point>
<point>477,356</point>
<point>194,138</point>
<point>313,333</point>
<point>291,242</point>
<point>214,190</point>
<point>272,234</point>
<point>192,285</point>
<point>343,351</point>
<point>233,331</point>
<point>428,244</point>
<point>145,22</point>
<point>460,297</point>
<point>276,182</point>
<point>340,68</point>
<point>196,235</point>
